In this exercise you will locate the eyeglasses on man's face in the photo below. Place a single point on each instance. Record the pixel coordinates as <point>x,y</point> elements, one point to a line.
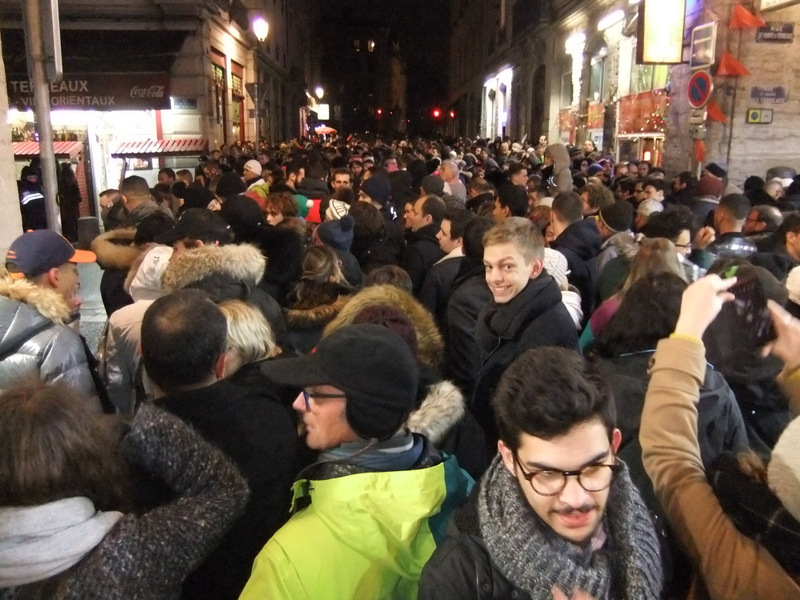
<point>307,396</point>
<point>550,482</point>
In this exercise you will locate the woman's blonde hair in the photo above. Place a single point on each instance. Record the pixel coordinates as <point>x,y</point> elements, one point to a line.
<point>249,332</point>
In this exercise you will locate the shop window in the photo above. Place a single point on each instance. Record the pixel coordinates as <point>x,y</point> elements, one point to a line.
<point>645,78</point>
<point>218,82</point>
<point>598,76</point>
<point>566,89</point>
<point>370,45</point>
<point>357,45</point>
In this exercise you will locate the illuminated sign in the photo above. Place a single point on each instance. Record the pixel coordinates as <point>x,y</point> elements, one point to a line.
<point>773,4</point>
<point>661,26</point>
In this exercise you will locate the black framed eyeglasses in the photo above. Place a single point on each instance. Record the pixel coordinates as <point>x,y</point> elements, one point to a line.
<point>550,482</point>
<point>308,395</point>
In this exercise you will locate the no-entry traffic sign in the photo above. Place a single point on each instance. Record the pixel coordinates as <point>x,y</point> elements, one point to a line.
<point>700,88</point>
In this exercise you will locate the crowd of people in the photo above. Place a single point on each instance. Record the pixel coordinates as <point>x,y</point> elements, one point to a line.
<point>414,369</point>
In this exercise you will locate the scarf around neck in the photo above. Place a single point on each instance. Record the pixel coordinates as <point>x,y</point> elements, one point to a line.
<point>534,558</point>
<point>38,542</point>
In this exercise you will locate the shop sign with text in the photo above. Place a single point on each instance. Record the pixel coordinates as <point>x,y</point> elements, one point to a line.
<point>96,91</point>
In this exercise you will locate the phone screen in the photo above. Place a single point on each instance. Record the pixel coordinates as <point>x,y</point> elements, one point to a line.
<point>752,313</point>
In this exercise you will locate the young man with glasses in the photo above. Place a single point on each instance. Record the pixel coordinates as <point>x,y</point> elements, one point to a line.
<point>556,510</point>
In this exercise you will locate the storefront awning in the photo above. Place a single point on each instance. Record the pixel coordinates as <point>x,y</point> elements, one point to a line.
<point>146,148</point>
<point>23,150</point>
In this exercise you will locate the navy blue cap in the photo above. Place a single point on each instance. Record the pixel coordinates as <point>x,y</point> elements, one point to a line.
<point>36,252</point>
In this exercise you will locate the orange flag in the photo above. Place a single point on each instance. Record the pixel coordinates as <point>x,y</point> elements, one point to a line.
<point>715,112</point>
<point>729,66</point>
<point>744,19</point>
<point>699,151</point>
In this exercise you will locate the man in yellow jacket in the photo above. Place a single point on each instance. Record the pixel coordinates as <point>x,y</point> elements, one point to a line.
<point>369,513</point>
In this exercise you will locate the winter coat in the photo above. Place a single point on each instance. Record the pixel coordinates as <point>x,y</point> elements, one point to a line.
<point>230,272</point>
<point>306,318</point>
<point>36,344</point>
<point>313,188</point>
<point>580,243</point>
<point>429,340</point>
<point>362,534</point>
<point>732,244</point>
<point>561,179</point>
<point>115,255</point>
<point>260,437</point>
<point>443,418</point>
<point>469,294</point>
<point>620,243</point>
<point>148,207</point>
<point>730,566</point>
<point>421,253</point>
<point>720,427</point>
<point>436,288</point>
<point>535,317</point>
<point>147,556</point>
<point>466,563</point>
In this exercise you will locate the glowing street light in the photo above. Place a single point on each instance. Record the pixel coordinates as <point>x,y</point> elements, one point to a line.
<point>319,92</point>
<point>260,28</point>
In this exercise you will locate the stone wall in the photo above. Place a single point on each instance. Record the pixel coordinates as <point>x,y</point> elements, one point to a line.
<point>746,149</point>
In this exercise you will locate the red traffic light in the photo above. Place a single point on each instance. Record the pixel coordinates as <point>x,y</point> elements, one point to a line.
<point>436,113</point>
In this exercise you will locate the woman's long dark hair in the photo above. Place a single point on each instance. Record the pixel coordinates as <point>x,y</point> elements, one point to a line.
<point>648,312</point>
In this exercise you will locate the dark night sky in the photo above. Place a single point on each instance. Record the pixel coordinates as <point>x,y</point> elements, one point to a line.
<point>422,28</point>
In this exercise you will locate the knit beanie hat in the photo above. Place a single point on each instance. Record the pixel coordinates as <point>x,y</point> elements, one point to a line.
<point>432,184</point>
<point>373,366</point>
<point>715,170</point>
<point>709,186</point>
<point>617,216</point>
<point>556,265</point>
<point>378,189</point>
<point>648,207</point>
<point>784,469</point>
<point>230,184</point>
<point>336,210</point>
<point>337,234</point>
<point>595,169</point>
<point>793,285</point>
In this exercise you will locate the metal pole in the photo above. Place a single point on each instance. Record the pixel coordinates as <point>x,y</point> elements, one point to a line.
<point>258,108</point>
<point>41,97</point>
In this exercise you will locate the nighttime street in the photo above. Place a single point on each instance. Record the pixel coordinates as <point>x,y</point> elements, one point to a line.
<point>349,300</point>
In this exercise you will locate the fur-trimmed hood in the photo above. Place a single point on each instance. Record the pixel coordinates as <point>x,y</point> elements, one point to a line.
<point>48,303</point>
<point>430,345</point>
<point>314,317</point>
<point>113,255</point>
<point>625,244</point>
<point>440,411</point>
<point>212,267</point>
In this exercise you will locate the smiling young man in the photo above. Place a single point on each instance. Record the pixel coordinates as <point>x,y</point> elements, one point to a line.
<point>526,310</point>
<point>555,509</point>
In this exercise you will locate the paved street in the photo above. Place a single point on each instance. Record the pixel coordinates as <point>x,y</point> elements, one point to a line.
<point>93,315</point>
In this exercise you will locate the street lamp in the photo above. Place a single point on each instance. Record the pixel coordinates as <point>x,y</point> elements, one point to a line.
<point>260,29</point>
<point>319,92</point>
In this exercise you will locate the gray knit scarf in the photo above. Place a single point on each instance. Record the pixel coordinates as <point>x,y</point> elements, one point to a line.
<point>534,558</point>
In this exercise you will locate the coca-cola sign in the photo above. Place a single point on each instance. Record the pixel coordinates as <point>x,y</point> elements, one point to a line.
<point>96,91</point>
<point>154,91</point>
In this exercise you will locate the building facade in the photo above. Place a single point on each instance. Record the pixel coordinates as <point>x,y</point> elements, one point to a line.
<point>568,70</point>
<point>141,71</point>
